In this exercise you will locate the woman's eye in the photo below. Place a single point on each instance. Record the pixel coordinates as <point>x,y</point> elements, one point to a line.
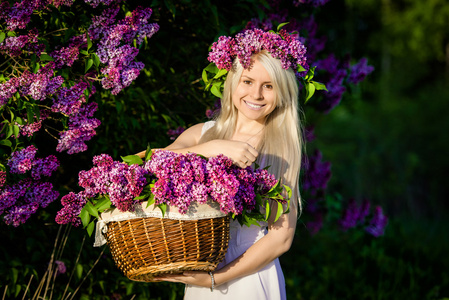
<point>246,82</point>
<point>268,86</point>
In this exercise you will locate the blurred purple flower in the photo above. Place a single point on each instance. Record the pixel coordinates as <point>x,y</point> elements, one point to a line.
<point>60,267</point>
<point>354,214</point>
<point>174,133</point>
<point>378,223</point>
<point>316,172</point>
<point>359,71</point>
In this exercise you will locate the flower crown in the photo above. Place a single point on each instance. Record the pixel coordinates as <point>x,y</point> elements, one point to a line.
<point>281,45</point>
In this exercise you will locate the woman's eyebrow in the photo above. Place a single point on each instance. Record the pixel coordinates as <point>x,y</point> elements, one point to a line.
<point>247,77</point>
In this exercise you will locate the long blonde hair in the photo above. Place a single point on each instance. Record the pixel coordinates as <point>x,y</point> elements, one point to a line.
<point>281,145</point>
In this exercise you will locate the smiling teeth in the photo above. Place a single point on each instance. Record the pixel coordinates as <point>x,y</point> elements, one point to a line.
<point>253,105</point>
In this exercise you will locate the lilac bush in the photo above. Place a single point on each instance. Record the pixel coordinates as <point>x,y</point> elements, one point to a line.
<point>49,81</point>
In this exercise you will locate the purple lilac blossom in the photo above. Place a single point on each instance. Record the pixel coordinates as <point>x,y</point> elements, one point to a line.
<point>121,69</point>
<point>359,71</point>
<point>81,129</point>
<point>335,75</point>
<point>378,223</point>
<point>20,200</point>
<point>68,101</point>
<point>354,214</point>
<point>316,173</point>
<point>22,160</point>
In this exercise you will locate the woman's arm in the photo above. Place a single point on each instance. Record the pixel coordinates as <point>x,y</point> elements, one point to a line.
<point>276,242</point>
<point>243,154</point>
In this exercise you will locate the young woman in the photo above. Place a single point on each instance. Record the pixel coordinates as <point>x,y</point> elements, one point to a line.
<point>258,122</point>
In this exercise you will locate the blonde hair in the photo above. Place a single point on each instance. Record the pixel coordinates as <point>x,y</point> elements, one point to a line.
<point>281,145</point>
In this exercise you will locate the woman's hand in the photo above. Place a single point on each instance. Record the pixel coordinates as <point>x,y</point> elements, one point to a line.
<point>188,277</point>
<point>241,153</point>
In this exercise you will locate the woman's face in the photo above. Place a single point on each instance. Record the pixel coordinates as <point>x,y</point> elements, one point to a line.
<point>254,96</point>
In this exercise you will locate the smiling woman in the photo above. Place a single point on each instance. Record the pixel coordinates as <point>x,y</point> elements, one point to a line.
<point>258,123</point>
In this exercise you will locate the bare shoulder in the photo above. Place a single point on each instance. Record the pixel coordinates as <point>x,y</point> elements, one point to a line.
<point>190,137</point>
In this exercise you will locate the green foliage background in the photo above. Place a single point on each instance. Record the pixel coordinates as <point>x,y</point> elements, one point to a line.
<point>387,141</point>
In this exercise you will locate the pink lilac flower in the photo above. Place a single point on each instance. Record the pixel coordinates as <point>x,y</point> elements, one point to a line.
<point>72,206</point>
<point>290,51</point>
<point>29,129</point>
<point>65,56</point>
<point>2,178</point>
<point>8,89</point>
<point>378,223</point>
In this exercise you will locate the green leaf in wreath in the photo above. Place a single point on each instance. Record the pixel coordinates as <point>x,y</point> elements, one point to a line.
<point>2,36</point>
<point>216,92</point>
<point>319,86</point>
<point>6,143</point>
<point>310,90</point>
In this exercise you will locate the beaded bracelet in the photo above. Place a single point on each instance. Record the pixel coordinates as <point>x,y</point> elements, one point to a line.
<point>213,281</point>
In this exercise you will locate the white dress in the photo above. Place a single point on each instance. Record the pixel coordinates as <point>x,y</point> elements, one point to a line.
<point>266,284</point>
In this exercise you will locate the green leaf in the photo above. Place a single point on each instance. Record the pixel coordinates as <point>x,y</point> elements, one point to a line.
<point>221,73</point>
<point>16,130</point>
<point>30,113</point>
<point>132,159</point>
<point>96,59</point>
<point>84,52</point>
<point>79,271</point>
<point>282,25</point>
<point>267,210</point>
<point>300,68</point>
<point>90,228</point>
<point>151,200</point>
<point>310,90</point>
<point>319,86</point>
<point>6,143</point>
<point>89,64</point>
<point>148,153</point>
<point>2,36</point>
<point>91,209</point>
<point>216,92</point>
<point>103,204</point>
<point>163,207</point>
<point>46,57</point>
<point>279,212</point>
<point>89,42</point>
<point>85,217</point>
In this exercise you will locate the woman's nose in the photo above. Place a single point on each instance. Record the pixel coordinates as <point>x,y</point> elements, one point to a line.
<point>257,92</point>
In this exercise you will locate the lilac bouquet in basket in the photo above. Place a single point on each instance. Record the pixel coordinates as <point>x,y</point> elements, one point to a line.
<point>165,179</point>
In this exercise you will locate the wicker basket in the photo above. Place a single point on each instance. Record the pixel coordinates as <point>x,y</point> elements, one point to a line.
<point>150,246</point>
